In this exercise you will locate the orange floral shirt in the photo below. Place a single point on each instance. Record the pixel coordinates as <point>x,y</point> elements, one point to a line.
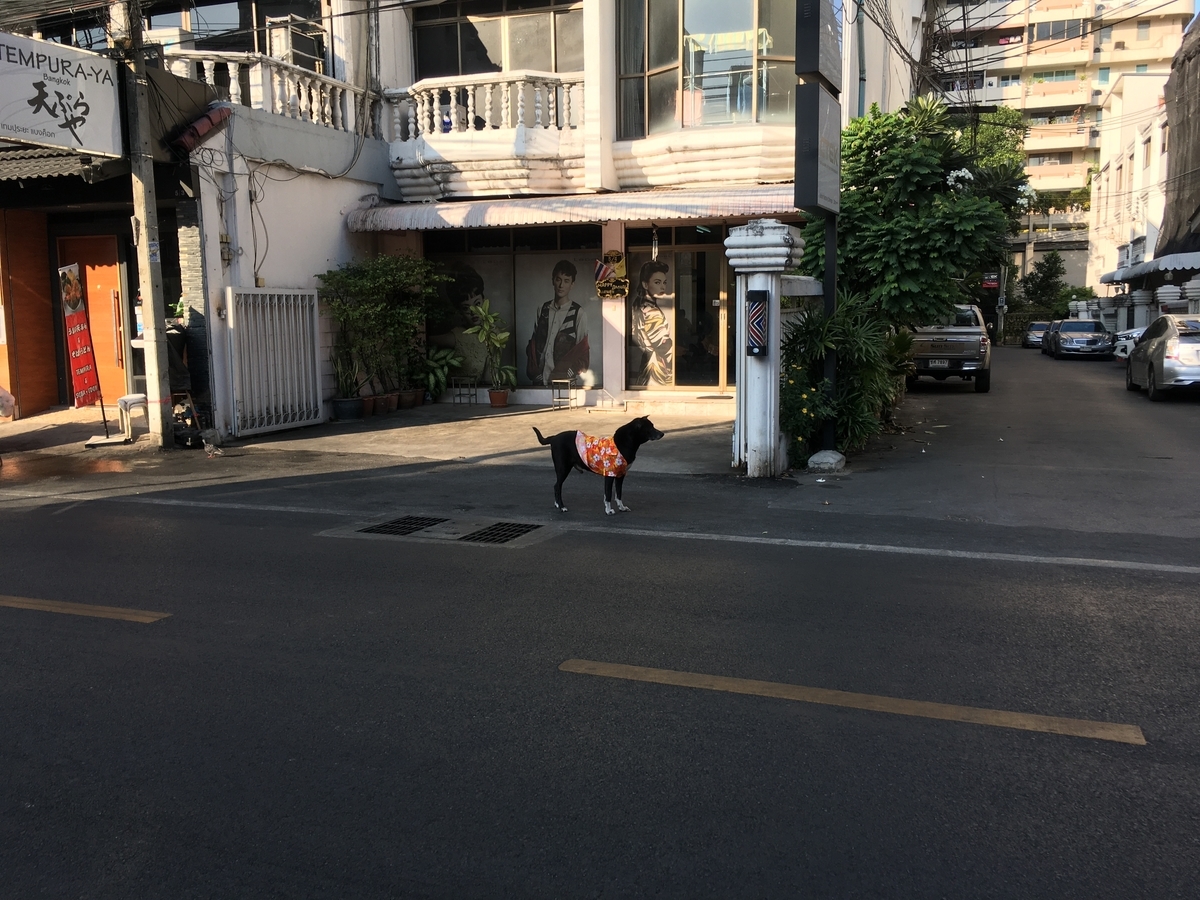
<point>600,454</point>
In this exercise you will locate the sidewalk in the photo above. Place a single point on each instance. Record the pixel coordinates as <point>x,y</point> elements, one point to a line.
<point>694,444</point>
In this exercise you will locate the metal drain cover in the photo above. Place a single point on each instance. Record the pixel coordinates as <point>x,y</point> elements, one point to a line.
<point>500,533</point>
<point>403,526</point>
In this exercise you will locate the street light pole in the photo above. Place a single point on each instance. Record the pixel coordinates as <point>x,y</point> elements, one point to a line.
<point>128,35</point>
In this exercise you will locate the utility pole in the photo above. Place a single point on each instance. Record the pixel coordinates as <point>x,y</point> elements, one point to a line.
<point>127,33</point>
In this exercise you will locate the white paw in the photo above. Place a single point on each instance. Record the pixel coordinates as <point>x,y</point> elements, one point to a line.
<point>609,511</point>
<point>622,507</point>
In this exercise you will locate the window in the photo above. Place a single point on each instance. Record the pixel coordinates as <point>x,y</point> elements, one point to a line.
<point>1099,116</point>
<point>1143,31</point>
<point>1165,135</point>
<point>691,63</point>
<point>1106,34</point>
<point>1051,159</point>
<point>1056,75</point>
<point>1141,69</point>
<point>963,81</point>
<point>1102,75</point>
<point>1061,29</point>
<point>1146,153</point>
<point>1009,80</point>
<point>477,36</point>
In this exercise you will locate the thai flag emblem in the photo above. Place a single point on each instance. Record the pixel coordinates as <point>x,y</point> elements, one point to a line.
<point>604,271</point>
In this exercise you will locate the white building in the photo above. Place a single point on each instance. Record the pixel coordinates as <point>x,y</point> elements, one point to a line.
<point>879,45</point>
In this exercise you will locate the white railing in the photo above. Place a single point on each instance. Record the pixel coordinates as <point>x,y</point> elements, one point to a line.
<point>263,82</point>
<point>274,350</point>
<point>491,101</point>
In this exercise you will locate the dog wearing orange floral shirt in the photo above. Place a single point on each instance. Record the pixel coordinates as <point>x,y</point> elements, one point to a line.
<point>610,457</point>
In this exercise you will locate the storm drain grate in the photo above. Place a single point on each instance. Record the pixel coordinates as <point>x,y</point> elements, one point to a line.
<point>500,533</point>
<point>403,526</point>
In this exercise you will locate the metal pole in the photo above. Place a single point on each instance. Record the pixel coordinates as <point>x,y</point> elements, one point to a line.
<point>829,432</point>
<point>145,211</point>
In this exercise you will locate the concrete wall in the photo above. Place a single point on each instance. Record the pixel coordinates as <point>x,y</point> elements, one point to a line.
<point>1180,229</point>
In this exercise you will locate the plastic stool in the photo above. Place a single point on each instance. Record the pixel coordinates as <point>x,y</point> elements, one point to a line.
<point>125,408</point>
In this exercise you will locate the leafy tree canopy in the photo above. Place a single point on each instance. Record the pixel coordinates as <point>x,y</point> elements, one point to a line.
<point>1044,281</point>
<point>918,214</point>
<point>997,140</point>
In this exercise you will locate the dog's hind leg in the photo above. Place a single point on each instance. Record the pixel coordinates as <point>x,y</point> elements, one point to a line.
<point>558,501</point>
<point>562,468</point>
<point>620,506</point>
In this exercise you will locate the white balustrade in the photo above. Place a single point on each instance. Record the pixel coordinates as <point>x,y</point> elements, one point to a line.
<point>284,89</point>
<point>543,100</point>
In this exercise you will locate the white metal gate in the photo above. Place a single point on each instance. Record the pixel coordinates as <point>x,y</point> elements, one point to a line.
<point>274,354</point>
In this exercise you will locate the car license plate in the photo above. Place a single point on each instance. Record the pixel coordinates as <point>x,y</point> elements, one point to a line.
<point>939,363</point>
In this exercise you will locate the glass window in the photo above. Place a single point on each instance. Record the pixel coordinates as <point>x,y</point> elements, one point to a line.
<point>1141,69</point>
<point>1143,31</point>
<point>481,46</point>
<point>529,43</point>
<point>568,41</point>
<point>437,51</point>
<point>663,32</point>
<point>1102,75</point>
<point>1106,34</point>
<point>1146,153</point>
<point>733,69</point>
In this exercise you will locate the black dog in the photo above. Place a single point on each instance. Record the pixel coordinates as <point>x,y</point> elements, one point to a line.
<point>608,457</point>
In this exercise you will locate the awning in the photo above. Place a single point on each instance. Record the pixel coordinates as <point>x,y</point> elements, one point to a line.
<point>1172,262</point>
<point>628,206</point>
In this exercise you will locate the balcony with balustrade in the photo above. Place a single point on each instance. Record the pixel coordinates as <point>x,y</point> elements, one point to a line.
<point>262,82</point>
<point>1058,177</point>
<point>494,134</point>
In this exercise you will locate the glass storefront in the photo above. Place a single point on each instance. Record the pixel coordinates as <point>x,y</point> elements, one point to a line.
<point>679,326</point>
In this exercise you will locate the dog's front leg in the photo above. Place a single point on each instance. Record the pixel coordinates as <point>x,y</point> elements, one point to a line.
<point>608,495</point>
<point>621,506</point>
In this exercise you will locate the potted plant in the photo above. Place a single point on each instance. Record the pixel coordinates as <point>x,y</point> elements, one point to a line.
<point>438,364</point>
<point>348,374</point>
<point>491,331</point>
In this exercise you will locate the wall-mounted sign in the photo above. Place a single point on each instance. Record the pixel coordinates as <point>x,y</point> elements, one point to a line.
<point>56,96</point>
<point>991,279</point>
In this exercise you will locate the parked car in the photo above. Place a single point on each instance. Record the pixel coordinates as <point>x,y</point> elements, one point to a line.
<point>1082,337</point>
<point>1033,334</point>
<point>957,345</point>
<point>1166,357</point>
<point>1125,342</point>
<point>1048,335</point>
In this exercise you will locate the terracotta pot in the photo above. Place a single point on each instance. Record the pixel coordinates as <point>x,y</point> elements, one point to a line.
<point>498,398</point>
<point>393,400</point>
<point>368,406</point>
<point>409,399</point>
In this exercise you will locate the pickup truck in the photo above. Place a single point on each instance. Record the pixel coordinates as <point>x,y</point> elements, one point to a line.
<point>956,345</point>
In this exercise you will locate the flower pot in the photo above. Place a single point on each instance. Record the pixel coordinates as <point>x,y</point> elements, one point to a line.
<point>498,398</point>
<point>368,406</point>
<point>409,399</point>
<point>381,404</point>
<point>393,400</point>
<point>347,408</point>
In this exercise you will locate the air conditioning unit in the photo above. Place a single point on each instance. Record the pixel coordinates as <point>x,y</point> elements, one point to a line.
<point>1119,45</point>
<point>1100,7</point>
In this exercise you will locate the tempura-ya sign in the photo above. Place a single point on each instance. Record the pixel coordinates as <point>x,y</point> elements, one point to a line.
<point>84,381</point>
<point>56,96</point>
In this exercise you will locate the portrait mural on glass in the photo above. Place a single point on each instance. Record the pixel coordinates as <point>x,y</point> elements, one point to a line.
<point>558,321</point>
<point>651,304</point>
<point>472,278</point>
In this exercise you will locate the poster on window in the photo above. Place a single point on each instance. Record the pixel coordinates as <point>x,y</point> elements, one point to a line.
<point>650,353</point>
<point>84,381</point>
<point>473,278</point>
<point>558,320</point>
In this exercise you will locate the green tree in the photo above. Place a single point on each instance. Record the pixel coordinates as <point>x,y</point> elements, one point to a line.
<point>1044,281</point>
<point>997,139</point>
<point>918,214</point>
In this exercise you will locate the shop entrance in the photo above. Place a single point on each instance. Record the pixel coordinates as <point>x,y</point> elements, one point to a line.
<point>680,331</point>
<point>100,269</point>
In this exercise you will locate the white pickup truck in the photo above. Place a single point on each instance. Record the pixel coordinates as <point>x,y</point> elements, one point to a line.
<point>958,345</point>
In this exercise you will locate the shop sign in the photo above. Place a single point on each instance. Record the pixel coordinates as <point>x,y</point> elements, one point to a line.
<point>85,382</point>
<point>58,96</point>
<point>611,283</point>
<point>991,279</point>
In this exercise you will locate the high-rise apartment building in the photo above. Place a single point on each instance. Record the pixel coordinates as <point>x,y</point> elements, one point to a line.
<point>1055,60</point>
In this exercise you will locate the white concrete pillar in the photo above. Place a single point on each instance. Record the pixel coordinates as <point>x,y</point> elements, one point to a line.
<point>1191,291</point>
<point>1143,308</point>
<point>599,94</point>
<point>759,252</point>
<point>1168,296</point>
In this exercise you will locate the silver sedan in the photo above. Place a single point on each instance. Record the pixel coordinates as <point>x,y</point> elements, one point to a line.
<point>1166,357</point>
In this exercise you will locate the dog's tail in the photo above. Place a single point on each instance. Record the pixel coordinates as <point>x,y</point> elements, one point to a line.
<point>541,440</point>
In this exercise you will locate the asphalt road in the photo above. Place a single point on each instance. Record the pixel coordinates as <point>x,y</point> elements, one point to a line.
<point>329,714</point>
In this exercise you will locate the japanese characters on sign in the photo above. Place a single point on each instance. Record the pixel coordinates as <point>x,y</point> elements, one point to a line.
<point>85,382</point>
<point>57,96</point>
